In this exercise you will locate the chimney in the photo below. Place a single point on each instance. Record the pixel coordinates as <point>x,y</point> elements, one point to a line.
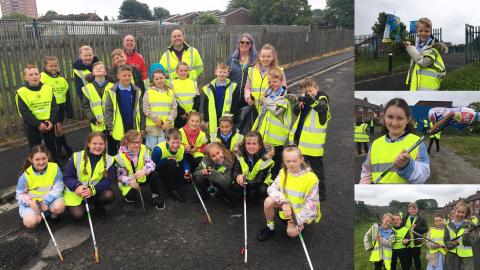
<point>365,98</point>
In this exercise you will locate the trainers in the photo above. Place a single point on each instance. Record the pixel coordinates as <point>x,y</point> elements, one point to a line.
<point>158,203</point>
<point>265,234</point>
<point>175,195</point>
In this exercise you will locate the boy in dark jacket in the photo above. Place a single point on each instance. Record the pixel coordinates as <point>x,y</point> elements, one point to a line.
<point>82,67</point>
<point>417,224</point>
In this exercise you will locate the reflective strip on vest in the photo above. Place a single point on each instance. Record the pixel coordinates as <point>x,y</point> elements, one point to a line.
<point>192,63</point>
<point>236,139</point>
<point>59,86</point>
<point>38,102</point>
<point>118,129</point>
<point>97,104</point>
<point>259,165</point>
<point>39,185</point>
<point>212,110</point>
<point>437,236</point>
<point>273,130</point>
<point>125,163</point>
<point>201,140</point>
<point>360,133</point>
<point>399,236</point>
<point>384,153</point>
<point>81,74</point>
<point>160,105</point>
<point>167,154</point>
<point>185,92</point>
<point>461,250</point>
<point>427,78</point>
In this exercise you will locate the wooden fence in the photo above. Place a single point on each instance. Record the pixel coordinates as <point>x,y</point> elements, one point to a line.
<point>215,44</point>
<point>472,43</point>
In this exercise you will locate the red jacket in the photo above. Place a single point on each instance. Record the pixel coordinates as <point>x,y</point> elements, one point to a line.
<point>135,59</point>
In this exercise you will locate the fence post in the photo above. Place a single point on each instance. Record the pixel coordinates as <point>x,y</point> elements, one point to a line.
<point>390,63</point>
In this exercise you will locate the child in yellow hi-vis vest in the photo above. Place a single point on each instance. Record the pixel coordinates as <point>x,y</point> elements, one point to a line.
<point>186,94</point>
<point>426,66</point>
<point>52,77</point>
<point>391,149</point>
<point>294,192</point>
<point>436,251</point>
<point>399,247</point>
<point>459,239</point>
<point>194,140</point>
<point>379,240</point>
<point>40,181</point>
<point>160,109</point>
<point>135,168</point>
<point>226,134</point>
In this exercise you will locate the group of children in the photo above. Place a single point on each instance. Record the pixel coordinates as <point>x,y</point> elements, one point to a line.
<point>181,144</point>
<point>400,238</point>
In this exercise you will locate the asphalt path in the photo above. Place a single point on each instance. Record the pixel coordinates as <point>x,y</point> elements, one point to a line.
<point>177,238</point>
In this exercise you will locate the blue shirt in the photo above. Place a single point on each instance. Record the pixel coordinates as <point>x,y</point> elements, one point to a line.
<point>219,95</point>
<point>226,137</point>
<point>385,233</point>
<point>126,109</point>
<point>157,158</point>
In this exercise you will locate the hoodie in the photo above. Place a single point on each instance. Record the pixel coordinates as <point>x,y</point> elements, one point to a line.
<point>79,65</point>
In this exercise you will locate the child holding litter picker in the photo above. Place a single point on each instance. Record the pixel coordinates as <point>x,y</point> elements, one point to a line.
<point>171,163</point>
<point>436,251</point>
<point>88,176</point>
<point>253,165</point>
<point>194,140</point>
<point>52,77</point>
<point>379,240</point>
<point>391,148</point>
<point>416,226</point>
<point>399,247</point>
<point>426,66</point>
<point>135,168</point>
<point>215,173</point>
<point>226,134</point>
<point>294,193</point>
<point>40,181</point>
<point>459,239</point>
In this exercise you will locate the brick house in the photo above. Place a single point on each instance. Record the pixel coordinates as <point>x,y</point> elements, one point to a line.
<point>367,111</point>
<point>239,16</point>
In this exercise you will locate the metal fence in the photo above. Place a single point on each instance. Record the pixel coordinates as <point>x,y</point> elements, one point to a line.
<point>214,43</point>
<point>472,43</point>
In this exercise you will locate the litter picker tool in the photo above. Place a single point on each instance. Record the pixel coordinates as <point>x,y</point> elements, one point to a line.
<point>244,251</point>
<point>441,124</point>
<point>49,231</point>
<point>428,239</point>
<point>469,229</point>
<point>97,257</point>
<point>294,218</point>
<point>139,187</point>
<point>200,198</point>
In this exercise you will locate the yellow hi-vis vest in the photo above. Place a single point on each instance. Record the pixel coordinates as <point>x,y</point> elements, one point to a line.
<point>118,131</point>
<point>82,73</point>
<point>190,56</point>
<point>461,250</point>
<point>185,91</point>
<point>167,154</point>
<point>386,254</point>
<point>360,133</point>
<point>201,140</point>
<point>236,139</point>
<point>408,225</point>
<point>259,165</point>
<point>313,134</point>
<point>273,130</point>
<point>124,162</point>
<point>59,86</point>
<point>40,184</point>
<point>437,236</point>
<point>436,135</point>
<point>160,105</point>
<point>89,179</point>
<point>427,78</point>
<point>383,154</point>
<point>212,110</point>
<point>475,220</point>
<point>38,102</point>
<point>258,84</point>
<point>297,190</point>
<point>97,104</point>
<point>399,236</point>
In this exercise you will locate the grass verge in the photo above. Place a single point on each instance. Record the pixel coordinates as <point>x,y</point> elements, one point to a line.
<point>467,147</point>
<point>367,67</point>
<point>464,78</point>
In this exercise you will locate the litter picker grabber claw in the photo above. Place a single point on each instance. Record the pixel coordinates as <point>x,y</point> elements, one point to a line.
<point>441,124</point>
<point>49,231</point>
<point>294,218</point>
<point>97,257</point>
<point>469,229</point>
<point>244,250</point>
<point>200,198</point>
<point>428,239</point>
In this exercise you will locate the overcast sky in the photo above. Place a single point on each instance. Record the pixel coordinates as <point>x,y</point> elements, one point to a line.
<point>111,7</point>
<point>451,16</point>
<point>459,98</point>
<point>383,194</point>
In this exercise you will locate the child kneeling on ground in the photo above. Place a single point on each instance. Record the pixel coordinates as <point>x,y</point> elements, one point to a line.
<point>295,188</point>
<point>215,172</point>
<point>40,181</point>
<point>134,169</point>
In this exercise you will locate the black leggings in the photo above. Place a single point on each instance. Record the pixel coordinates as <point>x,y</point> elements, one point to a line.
<point>402,255</point>
<point>152,180</point>
<point>193,162</point>
<point>171,174</point>
<point>255,192</point>
<point>277,159</point>
<point>35,137</point>
<point>78,212</point>
<point>359,147</point>
<point>437,144</point>
<point>414,253</point>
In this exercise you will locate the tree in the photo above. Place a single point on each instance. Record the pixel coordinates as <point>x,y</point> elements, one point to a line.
<point>475,106</point>
<point>51,13</point>
<point>240,3</point>
<point>132,9</point>
<point>283,12</point>
<point>17,16</point>
<point>427,204</point>
<point>105,18</point>
<point>398,205</point>
<point>160,13</point>
<point>206,18</point>
<point>340,13</point>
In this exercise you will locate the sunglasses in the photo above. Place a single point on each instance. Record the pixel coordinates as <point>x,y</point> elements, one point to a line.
<point>245,42</point>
